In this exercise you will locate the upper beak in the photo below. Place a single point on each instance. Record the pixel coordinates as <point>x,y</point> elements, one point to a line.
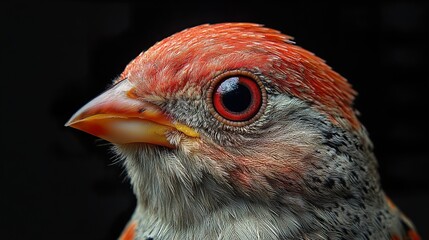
<point>118,116</point>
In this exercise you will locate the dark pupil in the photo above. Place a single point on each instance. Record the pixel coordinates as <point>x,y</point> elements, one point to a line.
<point>236,97</point>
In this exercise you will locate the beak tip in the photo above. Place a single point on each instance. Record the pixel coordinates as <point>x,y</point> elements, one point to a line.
<point>67,124</point>
<point>74,119</point>
<point>70,122</point>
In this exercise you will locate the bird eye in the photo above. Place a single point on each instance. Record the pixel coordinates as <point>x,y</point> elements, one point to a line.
<point>237,98</point>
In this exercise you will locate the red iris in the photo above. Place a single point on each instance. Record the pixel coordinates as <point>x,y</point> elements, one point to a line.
<point>237,98</point>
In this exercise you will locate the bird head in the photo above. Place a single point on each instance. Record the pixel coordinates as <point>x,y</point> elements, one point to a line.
<point>231,113</point>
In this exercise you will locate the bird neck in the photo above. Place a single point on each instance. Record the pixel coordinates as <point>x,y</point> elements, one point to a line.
<point>177,197</point>
<point>171,190</point>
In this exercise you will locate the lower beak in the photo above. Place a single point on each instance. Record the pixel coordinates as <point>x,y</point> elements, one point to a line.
<point>118,116</point>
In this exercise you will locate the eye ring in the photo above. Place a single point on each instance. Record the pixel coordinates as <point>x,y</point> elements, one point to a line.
<point>249,86</point>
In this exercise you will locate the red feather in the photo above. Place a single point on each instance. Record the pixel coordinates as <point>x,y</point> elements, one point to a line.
<point>195,56</point>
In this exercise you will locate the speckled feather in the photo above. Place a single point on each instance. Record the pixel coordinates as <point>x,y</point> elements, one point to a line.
<point>303,170</point>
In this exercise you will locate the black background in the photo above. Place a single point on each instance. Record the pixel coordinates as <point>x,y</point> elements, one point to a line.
<point>58,183</point>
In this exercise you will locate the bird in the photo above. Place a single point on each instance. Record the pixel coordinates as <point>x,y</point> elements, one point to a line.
<point>233,131</point>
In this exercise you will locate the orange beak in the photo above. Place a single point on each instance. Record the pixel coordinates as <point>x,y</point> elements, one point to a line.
<point>118,116</point>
